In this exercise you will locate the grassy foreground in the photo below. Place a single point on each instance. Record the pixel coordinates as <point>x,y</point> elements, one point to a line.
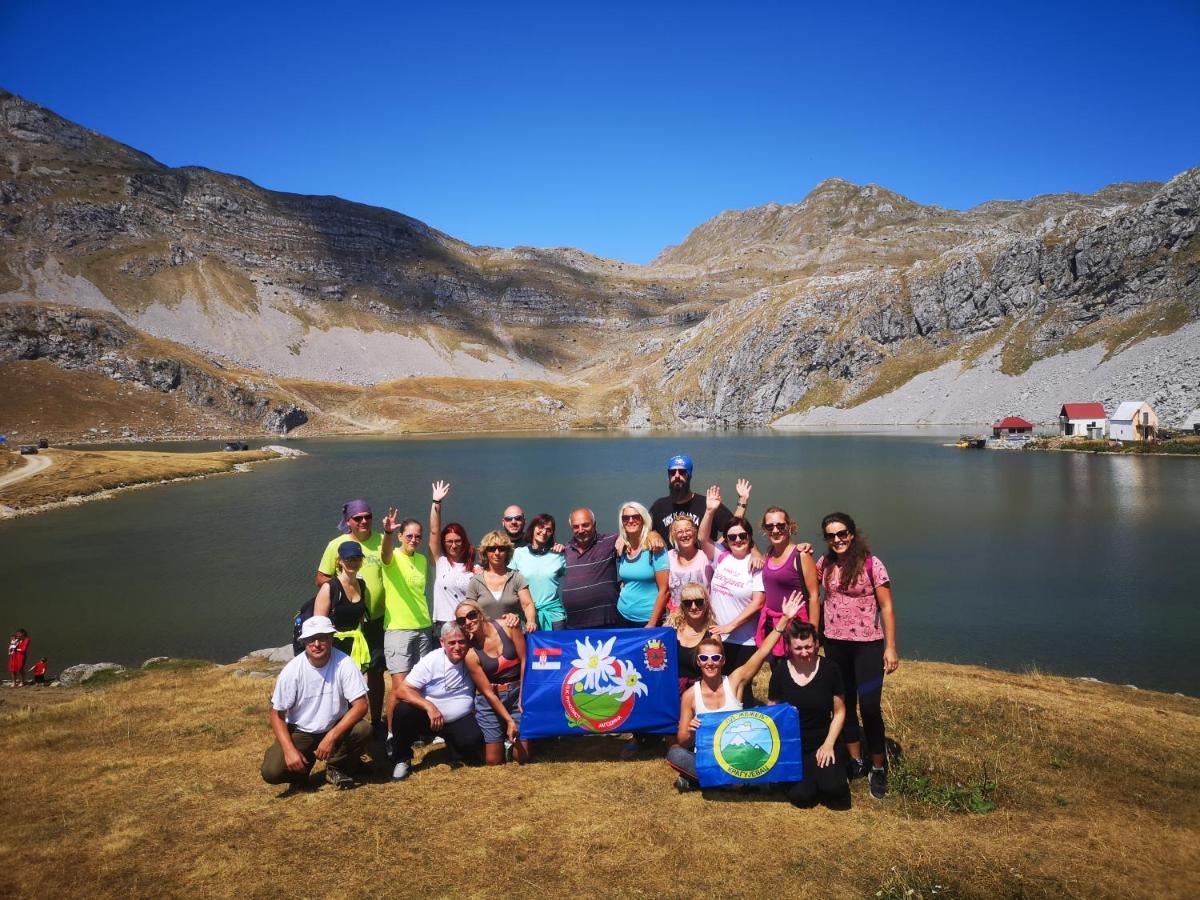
<point>80,473</point>
<point>150,787</point>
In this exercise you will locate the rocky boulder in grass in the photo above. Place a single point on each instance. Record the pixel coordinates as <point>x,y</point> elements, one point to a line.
<point>75,675</point>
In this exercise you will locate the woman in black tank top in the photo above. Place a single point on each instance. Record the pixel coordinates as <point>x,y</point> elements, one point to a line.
<point>343,598</point>
<point>495,661</point>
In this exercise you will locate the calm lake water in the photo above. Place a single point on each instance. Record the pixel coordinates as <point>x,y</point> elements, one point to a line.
<point>1078,564</point>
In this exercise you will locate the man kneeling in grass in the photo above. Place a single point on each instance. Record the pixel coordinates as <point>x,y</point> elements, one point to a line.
<point>439,696</point>
<point>317,712</point>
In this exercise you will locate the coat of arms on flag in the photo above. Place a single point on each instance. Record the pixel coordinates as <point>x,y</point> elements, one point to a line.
<point>599,681</point>
<point>750,746</point>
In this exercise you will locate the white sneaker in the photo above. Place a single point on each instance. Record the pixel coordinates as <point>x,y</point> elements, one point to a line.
<point>437,740</point>
<point>401,771</point>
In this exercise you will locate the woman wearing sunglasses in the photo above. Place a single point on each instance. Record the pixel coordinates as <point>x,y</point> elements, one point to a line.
<point>736,590</point>
<point>500,590</point>
<point>643,573</point>
<point>860,636</point>
<point>717,692</point>
<point>692,622</point>
<point>788,568</point>
<point>495,661</point>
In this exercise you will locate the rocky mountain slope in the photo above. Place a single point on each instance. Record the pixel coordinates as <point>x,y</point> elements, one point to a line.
<point>812,312</point>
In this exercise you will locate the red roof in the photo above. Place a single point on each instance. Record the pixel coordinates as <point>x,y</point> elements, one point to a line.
<point>1084,411</point>
<point>1013,422</point>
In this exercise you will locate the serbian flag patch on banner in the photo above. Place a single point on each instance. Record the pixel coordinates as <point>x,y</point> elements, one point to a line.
<point>599,681</point>
<point>750,746</point>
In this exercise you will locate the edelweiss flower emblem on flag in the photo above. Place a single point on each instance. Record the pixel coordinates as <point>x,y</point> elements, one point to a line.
<point>599,690</point>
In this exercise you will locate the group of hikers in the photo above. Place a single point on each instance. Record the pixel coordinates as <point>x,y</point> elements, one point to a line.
<point>455,666</point>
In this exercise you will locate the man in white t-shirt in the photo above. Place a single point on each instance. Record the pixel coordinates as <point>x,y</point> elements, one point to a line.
<point>317,712</point>
<point>437,696</point>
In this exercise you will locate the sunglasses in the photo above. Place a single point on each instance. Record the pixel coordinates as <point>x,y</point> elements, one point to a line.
<point>496,550</point>
<point>634,518</point>
<point>776,526</point>
<point>736,537</point>
<point>709,657</point>
<point>469,617</point>
<point>842,535</point>
<point>514,518</point>
<point>365,517</point>
<point>695,603</point>
<point>415,536</point>
<point>677,472</point>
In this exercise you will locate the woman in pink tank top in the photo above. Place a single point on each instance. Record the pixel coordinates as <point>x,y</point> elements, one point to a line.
<point>787,568</point>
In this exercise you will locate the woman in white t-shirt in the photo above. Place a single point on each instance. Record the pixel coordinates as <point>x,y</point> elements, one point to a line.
<point>689,564</point>
<point>454,560</point>
<point>736,589</point>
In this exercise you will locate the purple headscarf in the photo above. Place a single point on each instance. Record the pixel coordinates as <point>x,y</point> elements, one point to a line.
<point>353,508</point>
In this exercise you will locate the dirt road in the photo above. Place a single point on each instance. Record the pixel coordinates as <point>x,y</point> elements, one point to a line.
<point>33,465</point>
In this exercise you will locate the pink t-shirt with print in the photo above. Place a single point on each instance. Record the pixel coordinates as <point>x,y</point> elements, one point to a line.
<point>852,614</point>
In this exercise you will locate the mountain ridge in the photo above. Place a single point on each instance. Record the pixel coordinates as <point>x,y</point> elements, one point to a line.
<point>758,316</point>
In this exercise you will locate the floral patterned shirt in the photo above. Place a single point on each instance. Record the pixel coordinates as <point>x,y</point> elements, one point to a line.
<point>852,614</point>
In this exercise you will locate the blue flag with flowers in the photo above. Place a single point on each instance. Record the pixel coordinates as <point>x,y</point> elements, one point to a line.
<point>750,746</point>
<point>599,681</point>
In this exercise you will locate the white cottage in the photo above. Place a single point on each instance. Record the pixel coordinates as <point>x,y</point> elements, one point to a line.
<point>1192,422</point>
<point>1134,420</point>
<point>1083,420</point>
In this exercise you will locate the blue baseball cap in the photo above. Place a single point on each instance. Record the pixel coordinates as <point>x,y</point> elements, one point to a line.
<point>350,550</point>
<point>680,462</point>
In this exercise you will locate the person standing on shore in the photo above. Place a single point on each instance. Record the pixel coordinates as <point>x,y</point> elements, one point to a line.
<point>453,560</point>
<point>406,620</point>
<point>18,648</point>
<point>789,567</point>
<point>355,525</point>
<point>542,563</point>
<point>681,501</point>
<point>860,636</point>
<point>317,711</point>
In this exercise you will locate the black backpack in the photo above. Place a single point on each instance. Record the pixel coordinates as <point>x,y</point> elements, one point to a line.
<point>305,612</point>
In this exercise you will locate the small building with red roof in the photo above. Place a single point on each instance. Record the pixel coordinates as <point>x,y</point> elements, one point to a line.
<point>1011,425</point>
<point>1083,420</point>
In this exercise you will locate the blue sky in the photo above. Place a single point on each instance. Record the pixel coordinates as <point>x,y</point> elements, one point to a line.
<point>619,127</point>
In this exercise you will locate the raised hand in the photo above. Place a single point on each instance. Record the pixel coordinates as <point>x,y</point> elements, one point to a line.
<point>712,498</point>
<point>440,490</point>
<point>389,521</point>
<point>792,604</point>
<point>743,491</point>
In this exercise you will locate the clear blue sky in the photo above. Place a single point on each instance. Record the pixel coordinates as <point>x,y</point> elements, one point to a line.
<point>618,127</point>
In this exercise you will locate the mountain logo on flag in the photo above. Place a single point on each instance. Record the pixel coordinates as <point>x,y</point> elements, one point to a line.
<point>599,691</point>
<point>746,744</point>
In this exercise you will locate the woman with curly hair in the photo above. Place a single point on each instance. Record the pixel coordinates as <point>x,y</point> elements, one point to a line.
<point>860,636</point>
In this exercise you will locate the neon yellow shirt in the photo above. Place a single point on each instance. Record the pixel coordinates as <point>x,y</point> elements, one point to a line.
<point>371,572</point>
<point>404,600</point>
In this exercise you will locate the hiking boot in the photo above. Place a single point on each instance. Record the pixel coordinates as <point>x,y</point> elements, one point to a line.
<point>856,768</point>
<point>683,785</point>
<point>338,779</point>
<point>401,771</point>
<point>877,782</point>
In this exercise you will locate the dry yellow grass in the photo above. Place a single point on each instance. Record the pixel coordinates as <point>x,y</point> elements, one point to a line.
<point>79,473</point>
<point>151,787</point>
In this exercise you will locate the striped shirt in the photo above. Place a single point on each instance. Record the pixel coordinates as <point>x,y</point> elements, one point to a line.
<point>589,586</point>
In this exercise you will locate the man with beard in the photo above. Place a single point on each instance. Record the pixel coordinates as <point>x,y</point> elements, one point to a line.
<point>513,523</point>
<point>682,502</point>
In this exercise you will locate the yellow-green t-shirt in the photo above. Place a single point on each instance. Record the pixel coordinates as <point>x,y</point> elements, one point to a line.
<point>371,572</point>
<point>404,600</point>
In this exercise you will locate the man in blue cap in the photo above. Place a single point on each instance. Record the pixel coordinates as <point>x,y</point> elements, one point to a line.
<point>681,501</point>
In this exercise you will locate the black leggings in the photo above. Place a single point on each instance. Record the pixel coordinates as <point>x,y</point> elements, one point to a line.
<point>861,665</point>
<point>463,734</point>
<point>827,785</point>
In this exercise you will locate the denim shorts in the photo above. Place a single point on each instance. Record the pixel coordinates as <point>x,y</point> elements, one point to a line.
<point>490,723</point>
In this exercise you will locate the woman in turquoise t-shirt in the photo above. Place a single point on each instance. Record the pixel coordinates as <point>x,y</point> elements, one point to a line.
<point>644,573</point>
<point>543,571</point>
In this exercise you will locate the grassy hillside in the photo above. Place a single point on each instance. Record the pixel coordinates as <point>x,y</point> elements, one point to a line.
<point>1011,785</point>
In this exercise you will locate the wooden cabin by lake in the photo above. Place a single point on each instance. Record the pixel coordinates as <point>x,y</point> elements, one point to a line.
<point>1134,420</point>
<point>1083,420</point>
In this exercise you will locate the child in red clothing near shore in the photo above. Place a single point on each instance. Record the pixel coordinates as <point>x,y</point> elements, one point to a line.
<point>39,672</point>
